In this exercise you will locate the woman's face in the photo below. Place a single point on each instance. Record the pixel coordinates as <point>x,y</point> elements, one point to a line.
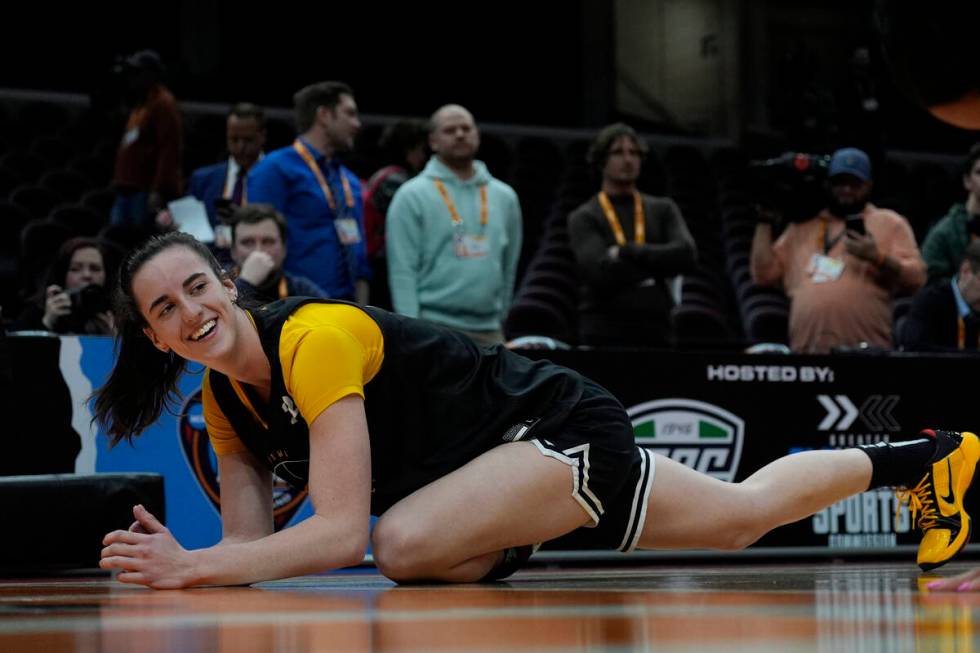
<point>86,267</point>
<point>188,310</point>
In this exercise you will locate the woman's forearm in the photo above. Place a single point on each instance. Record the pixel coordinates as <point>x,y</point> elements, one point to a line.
<point>314,545</point>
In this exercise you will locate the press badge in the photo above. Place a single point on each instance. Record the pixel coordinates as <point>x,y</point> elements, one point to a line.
<point>347,231</point>
<point>470,246</point>
<point>824,268</point>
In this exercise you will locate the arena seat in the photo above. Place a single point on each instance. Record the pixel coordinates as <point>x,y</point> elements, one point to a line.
<point>68,185</point>
<point>28,166</point>
<point>36,200</point>
<point>99,200</point>
<point>81,220</point>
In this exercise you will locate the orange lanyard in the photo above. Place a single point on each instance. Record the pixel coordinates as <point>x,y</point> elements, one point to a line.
<point>311,163</point>
<point>454,214</point>
<point>822,238</point>
<point>639,226</point>
<point>961,333</point>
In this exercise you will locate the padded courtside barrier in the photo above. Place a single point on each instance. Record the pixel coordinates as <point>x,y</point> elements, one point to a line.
<point>54,522</point>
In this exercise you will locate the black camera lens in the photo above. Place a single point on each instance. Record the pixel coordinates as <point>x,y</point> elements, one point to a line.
<point>88,301</point>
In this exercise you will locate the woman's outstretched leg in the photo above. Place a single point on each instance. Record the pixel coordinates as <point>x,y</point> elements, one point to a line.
<point>687,509</point>
<point>690,510</point>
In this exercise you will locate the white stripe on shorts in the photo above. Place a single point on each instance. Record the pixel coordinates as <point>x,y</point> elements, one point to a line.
<point>634,527</point>
<point>577,486</point>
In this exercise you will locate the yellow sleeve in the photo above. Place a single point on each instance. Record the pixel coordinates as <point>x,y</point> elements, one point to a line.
<point>328,352</point>
<point>223,438</point>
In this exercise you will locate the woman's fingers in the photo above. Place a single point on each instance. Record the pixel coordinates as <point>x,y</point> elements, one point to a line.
<point>126,563</point>
<point>125,537</point>
<point>132,577</point>
<point>147,521</point>
<point>968,581</point>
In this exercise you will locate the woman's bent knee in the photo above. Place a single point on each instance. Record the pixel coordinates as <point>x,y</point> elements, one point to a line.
<point>398,550</point>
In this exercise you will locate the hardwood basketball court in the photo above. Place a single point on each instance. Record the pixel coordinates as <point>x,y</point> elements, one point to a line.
<point>838,607</point>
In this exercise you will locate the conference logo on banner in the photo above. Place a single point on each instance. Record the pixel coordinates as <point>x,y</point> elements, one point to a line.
<point>204,465</point>
<point>698,434</point>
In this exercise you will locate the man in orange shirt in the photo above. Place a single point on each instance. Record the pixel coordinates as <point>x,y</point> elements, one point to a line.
<point>842,268</point>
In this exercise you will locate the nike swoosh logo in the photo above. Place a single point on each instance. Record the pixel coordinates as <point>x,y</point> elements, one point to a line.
<point>949,498</point>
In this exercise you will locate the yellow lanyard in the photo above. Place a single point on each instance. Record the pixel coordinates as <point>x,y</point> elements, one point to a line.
<point>311,163</point>
<point>961,333</point>
<point>454,214</point>
<point>639,226</point>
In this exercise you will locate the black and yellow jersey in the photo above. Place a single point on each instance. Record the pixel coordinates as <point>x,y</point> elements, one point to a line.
<point>342,349</point>
<point>434,399</point>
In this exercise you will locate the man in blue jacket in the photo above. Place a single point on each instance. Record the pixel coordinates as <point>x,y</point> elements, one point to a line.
<point>453,235</point>
<point>320,198</point>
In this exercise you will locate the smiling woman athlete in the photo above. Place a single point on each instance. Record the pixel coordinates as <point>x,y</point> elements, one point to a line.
<point>469,455</point>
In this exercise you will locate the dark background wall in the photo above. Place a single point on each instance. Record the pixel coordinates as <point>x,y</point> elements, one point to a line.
<point>531,62</point>
<point>513,62</point>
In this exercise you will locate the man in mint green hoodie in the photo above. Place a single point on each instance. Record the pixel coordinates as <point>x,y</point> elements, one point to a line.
<point>453,235</point>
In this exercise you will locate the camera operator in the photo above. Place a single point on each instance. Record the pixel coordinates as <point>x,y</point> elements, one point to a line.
<point>74,299</point>
<point>842,267</point>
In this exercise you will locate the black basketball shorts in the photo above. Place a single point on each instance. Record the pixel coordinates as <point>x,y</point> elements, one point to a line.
<point>611,475</point>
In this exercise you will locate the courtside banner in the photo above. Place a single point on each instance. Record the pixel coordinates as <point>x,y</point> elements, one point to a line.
<point>729,415</point>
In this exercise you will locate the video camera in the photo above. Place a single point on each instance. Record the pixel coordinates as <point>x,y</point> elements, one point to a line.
<point>791,184</point>
<point>86,303</point>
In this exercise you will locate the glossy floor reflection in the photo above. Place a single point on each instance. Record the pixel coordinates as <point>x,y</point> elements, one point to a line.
<point>840,608</point>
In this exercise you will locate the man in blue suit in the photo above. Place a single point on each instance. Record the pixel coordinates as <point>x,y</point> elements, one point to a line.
<point>227,181</point>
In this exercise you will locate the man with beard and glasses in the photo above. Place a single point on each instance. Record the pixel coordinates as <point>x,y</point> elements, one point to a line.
<point>842,268</point>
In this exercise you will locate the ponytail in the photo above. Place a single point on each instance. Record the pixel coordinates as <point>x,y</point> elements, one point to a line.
<point>143,381</point>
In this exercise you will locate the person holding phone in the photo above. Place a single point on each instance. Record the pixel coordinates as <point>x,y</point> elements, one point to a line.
<point>842,268</point>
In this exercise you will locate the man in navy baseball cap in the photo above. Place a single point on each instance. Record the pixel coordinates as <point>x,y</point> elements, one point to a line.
<point>841,268</point>
<point>850,161</point>
<point>849,177</point>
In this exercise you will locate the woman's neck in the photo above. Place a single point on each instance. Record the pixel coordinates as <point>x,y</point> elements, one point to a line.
<point>250,365</point>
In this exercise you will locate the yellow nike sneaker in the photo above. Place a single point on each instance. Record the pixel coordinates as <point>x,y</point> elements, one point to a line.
<point>936,503</point>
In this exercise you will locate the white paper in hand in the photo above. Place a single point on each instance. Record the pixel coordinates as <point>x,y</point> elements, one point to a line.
<point>191,217</point>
